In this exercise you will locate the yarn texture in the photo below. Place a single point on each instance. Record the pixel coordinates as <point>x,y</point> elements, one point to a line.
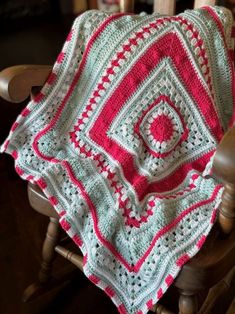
<point>121,140</point>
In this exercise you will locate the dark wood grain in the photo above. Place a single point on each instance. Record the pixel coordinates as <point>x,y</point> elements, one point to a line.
<point>16,82</point>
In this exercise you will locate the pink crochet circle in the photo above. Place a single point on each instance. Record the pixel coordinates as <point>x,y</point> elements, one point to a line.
<point>161,128</point>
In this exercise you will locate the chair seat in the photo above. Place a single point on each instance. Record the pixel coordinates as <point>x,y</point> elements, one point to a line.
<point>39,201</point>
<point>205,269</point>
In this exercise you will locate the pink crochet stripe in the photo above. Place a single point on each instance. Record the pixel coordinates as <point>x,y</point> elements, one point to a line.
<point>65,225</point>
<point>109,291</point>
<point>94,216</point>
<point>53,200</point>
<point>67,166</point>
<point>30,178</point>
<point>201,241</point>
<point>42,183</point>
<point>160,186</point>
<point>167,228</point>
<point>122,309</point>
<point>94,279</point>
<point>160,233</point>
<point>37,98</point>
<point>77,240</point>
<point>74,82</point>
<point>231,63</point>
<point>169,279</point>
<point>149,304</point>
<point>127,47</point>
<point>213,216</point>
<point>62,213</point>
<point>174,223</point>
<point>6,144</point>
<point>14,154</point>
<point>127,87</point>
<point>182,260</point>
<point>60,57</point>
<point>14,126</point>
<point>25,112</point>
<point>51,79</point>
<point>69,37</point>
<point>159,294</point>
<point>19,171</point>
<point>216,19</point>
<point>113,184</point>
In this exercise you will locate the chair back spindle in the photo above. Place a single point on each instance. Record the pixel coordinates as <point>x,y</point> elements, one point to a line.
<point>202,3</point>
<point>164,6</point>
<point>223,168</point>
<point>127,6</point>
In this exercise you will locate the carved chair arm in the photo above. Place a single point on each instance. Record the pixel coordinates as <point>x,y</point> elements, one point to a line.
<point>224,161</point>
<point>224,168</point>
<point>16,82</point>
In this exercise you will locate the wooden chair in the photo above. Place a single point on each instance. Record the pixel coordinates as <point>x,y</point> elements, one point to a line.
<point>217,256</point>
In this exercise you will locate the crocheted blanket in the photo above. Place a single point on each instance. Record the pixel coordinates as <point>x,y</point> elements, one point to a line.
<point>121,139</point>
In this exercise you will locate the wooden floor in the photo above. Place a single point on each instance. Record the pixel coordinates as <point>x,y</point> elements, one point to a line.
<point>22,229</point>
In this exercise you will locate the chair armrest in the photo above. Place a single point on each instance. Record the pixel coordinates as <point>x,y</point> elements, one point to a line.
<point>16,82</point>
<point>224,168</point>
<point>224,160</point>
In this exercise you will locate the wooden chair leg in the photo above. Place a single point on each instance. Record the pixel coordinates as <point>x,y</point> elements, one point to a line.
<point>48,250</point>
<point>160,309</point>
<point>48,256</point>
<point>188,302</point>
